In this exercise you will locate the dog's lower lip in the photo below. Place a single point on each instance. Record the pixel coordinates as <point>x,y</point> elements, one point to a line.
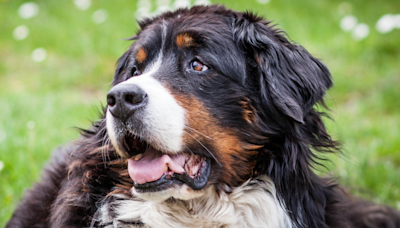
<point>199,181</point>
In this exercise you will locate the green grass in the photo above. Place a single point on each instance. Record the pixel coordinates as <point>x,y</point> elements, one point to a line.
<point>67,89</point>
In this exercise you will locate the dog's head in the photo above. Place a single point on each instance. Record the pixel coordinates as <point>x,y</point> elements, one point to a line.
<point>208,97</point>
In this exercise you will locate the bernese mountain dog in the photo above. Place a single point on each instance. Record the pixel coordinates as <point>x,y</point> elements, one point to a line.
<point>210,122</point>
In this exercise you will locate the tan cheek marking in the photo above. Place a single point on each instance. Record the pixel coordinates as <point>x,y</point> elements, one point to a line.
<point>234,155</point>
<point>236,158</point>
<point>141,55</point>
<point>184,40</point>
<point>248,114</point>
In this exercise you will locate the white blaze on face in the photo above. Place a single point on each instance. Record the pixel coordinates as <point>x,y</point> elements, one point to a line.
<point>162,119</point>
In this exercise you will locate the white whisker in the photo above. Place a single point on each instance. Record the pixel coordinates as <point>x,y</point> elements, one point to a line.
<point>200,133</point>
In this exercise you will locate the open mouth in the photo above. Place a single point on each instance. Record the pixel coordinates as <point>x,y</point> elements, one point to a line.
<point>152,170</point>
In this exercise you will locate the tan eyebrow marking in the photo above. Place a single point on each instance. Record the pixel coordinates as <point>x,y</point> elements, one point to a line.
<point>141,55</point>
<point>184,40</point>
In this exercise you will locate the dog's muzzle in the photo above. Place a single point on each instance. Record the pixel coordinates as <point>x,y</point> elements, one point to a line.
<point>145,124</point>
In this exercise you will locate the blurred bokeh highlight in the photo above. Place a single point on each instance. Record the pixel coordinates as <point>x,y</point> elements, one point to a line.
<point>57,60</point>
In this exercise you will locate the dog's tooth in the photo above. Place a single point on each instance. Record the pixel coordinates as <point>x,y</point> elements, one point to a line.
<point>166,167</point>
<point>137,157</point>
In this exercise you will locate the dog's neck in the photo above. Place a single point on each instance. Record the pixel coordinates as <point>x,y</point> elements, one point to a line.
<point>253,204</point>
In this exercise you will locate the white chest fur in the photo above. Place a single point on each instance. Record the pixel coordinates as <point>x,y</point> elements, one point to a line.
<point>254,204</point>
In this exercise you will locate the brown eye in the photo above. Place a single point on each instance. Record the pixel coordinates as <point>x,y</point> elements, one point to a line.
<point>135,72</point>
<point>198,66</point>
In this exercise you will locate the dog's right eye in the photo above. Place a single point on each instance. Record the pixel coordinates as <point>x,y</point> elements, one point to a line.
<point>135,72</point>
<point>198,66</point>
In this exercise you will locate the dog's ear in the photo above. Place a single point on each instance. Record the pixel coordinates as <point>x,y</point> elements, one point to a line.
<point>289,76</point>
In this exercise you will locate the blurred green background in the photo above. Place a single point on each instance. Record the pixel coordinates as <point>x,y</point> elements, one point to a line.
<point>57,60</point>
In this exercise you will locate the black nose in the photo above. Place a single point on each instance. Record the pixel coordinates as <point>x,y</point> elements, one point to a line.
<point>123,100</point>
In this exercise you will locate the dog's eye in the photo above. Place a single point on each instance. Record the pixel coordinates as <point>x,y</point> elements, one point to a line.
<point>135,72</point>
<point>196,65</point>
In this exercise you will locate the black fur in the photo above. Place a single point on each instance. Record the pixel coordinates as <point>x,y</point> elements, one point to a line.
<point>291,81</point>
<point>281,83</point>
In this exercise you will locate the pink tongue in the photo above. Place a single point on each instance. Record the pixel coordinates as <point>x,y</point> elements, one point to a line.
<point>151,166</point>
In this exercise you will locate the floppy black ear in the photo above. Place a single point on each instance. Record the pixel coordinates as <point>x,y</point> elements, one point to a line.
<point>289,76</point>
<point>290,81</point>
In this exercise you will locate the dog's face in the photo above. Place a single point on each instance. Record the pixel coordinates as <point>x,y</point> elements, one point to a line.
<point>192,96</point>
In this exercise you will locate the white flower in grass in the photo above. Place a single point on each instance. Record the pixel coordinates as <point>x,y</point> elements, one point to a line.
<point>386,23</point>
<point>82,4</point>
<point>28,10</point>
<point>263,1</point>
<point>143,9</point>
<point>361,31</point>
<point>1,165</point>
<point>162,9</point>
<point>30,125</point>
<point>142,13</point>
<point>348,23</point>
<point>202,2</point>
<point>163,2</point>
<point>99,16</point>
<point>39,55</point>
<point>163,6</point>
<point>20,32</point>
<point>141,4</point>
<point>181,4</point>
